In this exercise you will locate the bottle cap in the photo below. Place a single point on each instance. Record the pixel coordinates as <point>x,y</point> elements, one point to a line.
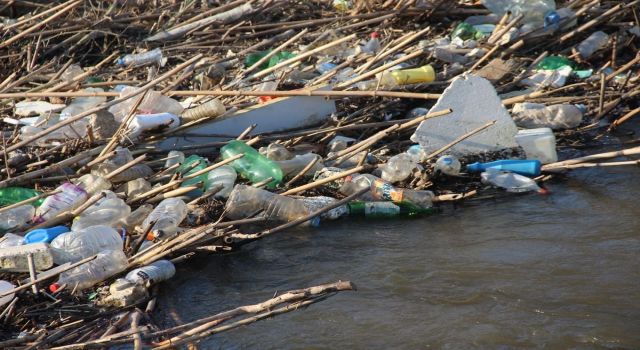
<point>54,287</point>
<point>375,35</point>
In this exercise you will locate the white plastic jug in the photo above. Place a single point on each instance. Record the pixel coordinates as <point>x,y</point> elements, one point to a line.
<point>538,144</point>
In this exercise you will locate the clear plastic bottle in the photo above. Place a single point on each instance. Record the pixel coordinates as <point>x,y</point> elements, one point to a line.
<point>77,245</point>
<point>105,265</point>
<point>136,187</point>
<point>175,157</point>
<point>110,211</point>
<point>509,181</point>
<point>71,72</point>
<point>14,258</point>
<point>253,166</point>
<point>293,166</point>
<point>70,197</point>
<point>141,59</point>
<point>448,165</point>
<point>153,102</point>
<point>276,151</point>
<point>93,183</point>
<point>167,216</point>
<point>384,191</point>
<point>245,201</point>
<point>562,116</point>
<point>596,41</point>
<point>81,104</point>
<point>398,168</point>
<point>225,176</point>
<point>16,217</point>
<point>534,11</point>
<point>373,45</point>
<point>137,217</point>
<point>319,202</point>
<point>153,273</point>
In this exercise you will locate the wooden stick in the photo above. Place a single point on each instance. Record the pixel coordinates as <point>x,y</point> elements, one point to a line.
<point>593,165</point>
<point>32,273</point>
<point>624,118</point>
<point>605,155</point>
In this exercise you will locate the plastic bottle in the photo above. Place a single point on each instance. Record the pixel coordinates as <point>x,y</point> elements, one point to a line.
<point>16,217</point>
<point>93,183</point>
<point>141,59</point>
<point>339,143</point>
<point>152,122</point>
<point>175,157</point>
<point>245,201</point>
<point>210,109</point>
<point>294,165</point>
<point>153,273</point>
<point>225,176</point>
<point>188,168</point>
<point>524,167</point>
<point>105,265</point>
<point>70,197</point>
<point>15,258</point>
<point>555,63</point>
<point>417,154</point>
<point>253,165</point>
<point>136,187</point>
<point>275,59</point>
<point>466,31</point>
<point>533,10</point>
<point>167,216</point>
<point>511,182</point>
<point>398,168</point>
<point>12,195</point>
<point>137,217</point>
<point>135,172</point>
<point>110,211</point>
<point>448,165</point>
<point>596,41</point>
<point>81,104</point>
<point>276,151</point>
<point>533,116</point>
<point>373,45</point>
<point>318,202</point>
<point>45,235</point>
<point>391,79</point>
<point>77,245</point>
<point>153,102</point>
<point>71,72</point>
<point>388,209</point>
<point>384,191</point>
<point>11,240</point>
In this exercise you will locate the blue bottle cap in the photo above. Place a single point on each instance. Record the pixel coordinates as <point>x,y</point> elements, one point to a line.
<point>44,234</point>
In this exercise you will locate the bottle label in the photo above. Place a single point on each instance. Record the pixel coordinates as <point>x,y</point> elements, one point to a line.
<point>381,208</point>
<point>386,191</point>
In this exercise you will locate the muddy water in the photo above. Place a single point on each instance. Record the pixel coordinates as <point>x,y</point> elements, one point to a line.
<point>558,271</point>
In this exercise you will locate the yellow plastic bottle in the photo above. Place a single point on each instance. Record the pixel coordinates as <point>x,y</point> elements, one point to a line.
<point>424,74</point>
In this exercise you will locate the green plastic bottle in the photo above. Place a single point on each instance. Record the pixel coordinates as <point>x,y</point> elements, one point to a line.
<point>466,31</point>
<point>253,166</point>
<point>251,59</point>
<point>555,62</point>
<point>388,209</point>
<point>188,162</point>
<point>11,195</point>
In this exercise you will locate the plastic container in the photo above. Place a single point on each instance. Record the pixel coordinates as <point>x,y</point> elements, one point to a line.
<point>93,183</point>
<point>70,197</point>
<point>448,165</point>
<point>77,245</point>
<point>15,258</point>
<point>509,181</point>
<point>110,211</point>
<point>253,165</point>
<point>245,201</point>
<point>388,209</point>
<point>210,109</point>
<point>16,217</point>
<point>532,116</point>
<point>167,216</point>
<point>12,195</point>
<point>293,166</point>
<point>538,144</point>
<point>225,176</point>
<point>105,265</point>
<point>153,273</point>
<point>45,235</point>
<point>141,59</point>
<point>526,167</point>
<point>390,79</point>
<point>152,122</point>
<point>596,41</point>
<point>175,157</point>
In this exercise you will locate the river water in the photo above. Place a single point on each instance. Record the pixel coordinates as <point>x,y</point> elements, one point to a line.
<point>560,271</point>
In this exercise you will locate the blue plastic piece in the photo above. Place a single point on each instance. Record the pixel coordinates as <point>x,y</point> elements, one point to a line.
<point>527,167</point>
<point>44,234</point>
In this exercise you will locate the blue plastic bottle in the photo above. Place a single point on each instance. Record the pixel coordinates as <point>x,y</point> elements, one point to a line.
<point>44,234</point>
<point>527,167</point>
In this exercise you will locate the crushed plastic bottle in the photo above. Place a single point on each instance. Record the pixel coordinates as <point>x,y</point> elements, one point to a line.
<point>70,197</point>
<point>81,104</point>
<point>273,60</point>
<point>109,211</point>
<point>563,116</point>
<point>225,176</point>
<point>319,202</point>
<point>253,166</point>
<point>153,273</point>
<point>448,165</point>
<point>137,217</point>
<point>13,195</point>
<point>73,246</point>
<point>135,172</point>
<point>11,240</point>
<point>16,217</point>
<point>509,181</point>
<point>135,187</point>
<point>105,265</point>
<point>245,201</point>
<point>167,216</point>
<point>466,31</point>
<point>555,63</point>
<point>596,41</point>
<point>141,59</point>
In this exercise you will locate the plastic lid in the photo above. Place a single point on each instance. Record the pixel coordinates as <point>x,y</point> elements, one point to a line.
<point>44,234</point>
<point>54,287</point>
